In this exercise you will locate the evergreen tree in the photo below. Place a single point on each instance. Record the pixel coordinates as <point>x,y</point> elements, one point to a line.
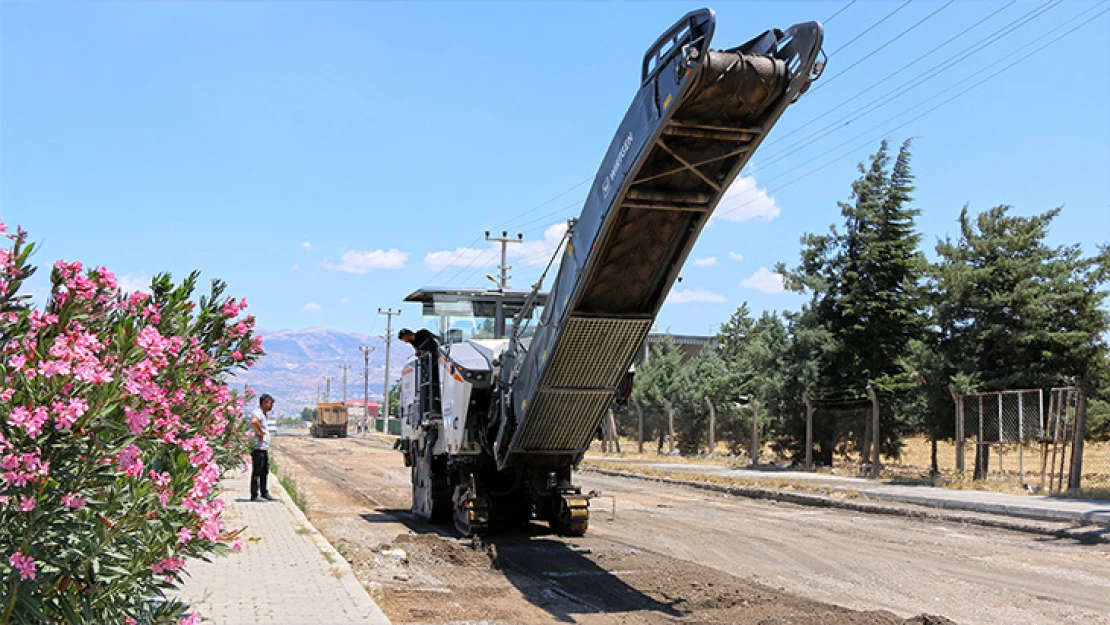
<point>1015,312</point>
<point>864,283</point>
<point>658,381</point>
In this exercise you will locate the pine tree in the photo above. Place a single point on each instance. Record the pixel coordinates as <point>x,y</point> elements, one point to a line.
<point>1015,312</point>
<point>865,290</point>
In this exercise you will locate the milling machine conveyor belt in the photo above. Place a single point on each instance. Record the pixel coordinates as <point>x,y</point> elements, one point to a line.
<point>697,119</point>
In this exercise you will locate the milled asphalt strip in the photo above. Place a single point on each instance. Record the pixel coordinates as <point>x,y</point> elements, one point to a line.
<point>1058,529</point>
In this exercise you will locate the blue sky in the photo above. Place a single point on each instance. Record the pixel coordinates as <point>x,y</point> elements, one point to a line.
<point>326,159</point>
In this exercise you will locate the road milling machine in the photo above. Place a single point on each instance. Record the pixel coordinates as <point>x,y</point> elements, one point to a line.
<point>494,423</point>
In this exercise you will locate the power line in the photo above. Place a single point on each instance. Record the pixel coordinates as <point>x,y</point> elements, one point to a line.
<point>872,53</point>
<point>871,27</point>
<point>950,99</point>
<point>779,139</point>
<point>842,9</point>
<point>907,86</point>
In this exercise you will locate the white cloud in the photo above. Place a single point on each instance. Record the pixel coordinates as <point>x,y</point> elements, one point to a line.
<point>691,296</point>
<point>344,300</point>
<point>307,245</point>
<point>708,261</point>
<point>537,253</point>
<point>461,257</point>
<point>529,253</point>
<point>735,256</point>
<point>312,307</point>
<point>745,200</point>
<point>130,283</point>
<point>294,267</point>
<point>358,261</point>
<point>764,280</point>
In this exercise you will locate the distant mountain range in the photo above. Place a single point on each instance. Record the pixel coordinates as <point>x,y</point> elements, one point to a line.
<point>298,361</point>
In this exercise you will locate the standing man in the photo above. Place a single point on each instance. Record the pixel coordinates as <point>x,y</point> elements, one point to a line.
<point>260,449</point>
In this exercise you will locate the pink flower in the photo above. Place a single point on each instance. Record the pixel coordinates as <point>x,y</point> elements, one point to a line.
<point>30,420</point>
<point>26,504</point>
<point>130,460</point>
<point>25,564</point>
<point>127,620</point>
<point>168,565</point>
<point>237,355</point>
<point>192,619</point>
<point>237,544</point>
<point>136,421</point>
<point>184,534</point>
<point>73,501</point>
<point>66,414</point>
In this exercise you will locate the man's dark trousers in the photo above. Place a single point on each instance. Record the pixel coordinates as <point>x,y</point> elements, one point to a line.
<point>260,468</point>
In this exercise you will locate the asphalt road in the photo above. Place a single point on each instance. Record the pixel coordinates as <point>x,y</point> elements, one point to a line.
<point>676,554</point>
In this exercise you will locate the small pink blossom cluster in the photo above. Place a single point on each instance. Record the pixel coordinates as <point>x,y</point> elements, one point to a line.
<point>24,564</point>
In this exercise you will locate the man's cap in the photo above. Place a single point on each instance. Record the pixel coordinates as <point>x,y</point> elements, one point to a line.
<point>403,333</point>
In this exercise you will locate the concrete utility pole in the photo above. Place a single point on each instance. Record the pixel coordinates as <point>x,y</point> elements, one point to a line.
<point>327,393</point>
<point>504,240</point>
<point>344,368</point>
<point>388,312</point>
<point>366,388</point>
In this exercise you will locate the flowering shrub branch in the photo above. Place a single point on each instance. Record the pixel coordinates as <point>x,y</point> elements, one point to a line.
<point>116,422</point>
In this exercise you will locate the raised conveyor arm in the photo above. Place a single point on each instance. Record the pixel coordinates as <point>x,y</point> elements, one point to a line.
<point>697,119</point>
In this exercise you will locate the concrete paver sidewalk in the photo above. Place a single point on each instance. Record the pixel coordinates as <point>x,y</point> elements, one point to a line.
<point>287,573</point>
<point>1037,507</point>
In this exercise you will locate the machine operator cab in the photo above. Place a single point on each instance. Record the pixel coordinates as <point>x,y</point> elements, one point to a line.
<point>474,328</point>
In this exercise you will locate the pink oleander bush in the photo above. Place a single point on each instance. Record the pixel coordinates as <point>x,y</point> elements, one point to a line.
<point>116,422</point>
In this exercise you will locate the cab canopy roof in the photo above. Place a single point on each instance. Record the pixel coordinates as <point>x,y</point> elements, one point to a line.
<point>429,296</point>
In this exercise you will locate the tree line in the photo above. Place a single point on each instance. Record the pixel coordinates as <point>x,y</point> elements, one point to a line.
<point>998,307</point>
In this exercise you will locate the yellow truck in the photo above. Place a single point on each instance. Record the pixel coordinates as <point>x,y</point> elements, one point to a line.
<point>331,420</point>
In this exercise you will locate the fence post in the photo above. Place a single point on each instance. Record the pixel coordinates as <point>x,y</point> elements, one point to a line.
<point>1001,437</point>
<point>755,430</point>
<point>712,427</point>
<point>1021,438</point>
<point>670,425</point>
<point>809,431</point>
<point>640,426</point>
<point>875,437</point>
<point>959,426</point>
<point>980,461</point>
<point>616,439</point>
<point>1075,478</point>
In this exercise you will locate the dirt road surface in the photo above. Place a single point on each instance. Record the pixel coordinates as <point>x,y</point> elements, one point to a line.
<point>674,554</point>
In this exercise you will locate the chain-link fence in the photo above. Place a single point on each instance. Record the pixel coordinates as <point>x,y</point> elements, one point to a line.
<point>1005,420</point>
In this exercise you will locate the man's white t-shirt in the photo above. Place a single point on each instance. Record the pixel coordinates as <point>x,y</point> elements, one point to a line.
<point>263,423</point>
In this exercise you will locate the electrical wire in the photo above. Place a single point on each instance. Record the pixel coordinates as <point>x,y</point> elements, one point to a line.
<point>871,27</point>
<point>825,81</point>
<point>842,9</point>
<point>871,141</point>
<point>780,138</point>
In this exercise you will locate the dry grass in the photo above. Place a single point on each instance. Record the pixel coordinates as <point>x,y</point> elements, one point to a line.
<point>1005,473</point>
